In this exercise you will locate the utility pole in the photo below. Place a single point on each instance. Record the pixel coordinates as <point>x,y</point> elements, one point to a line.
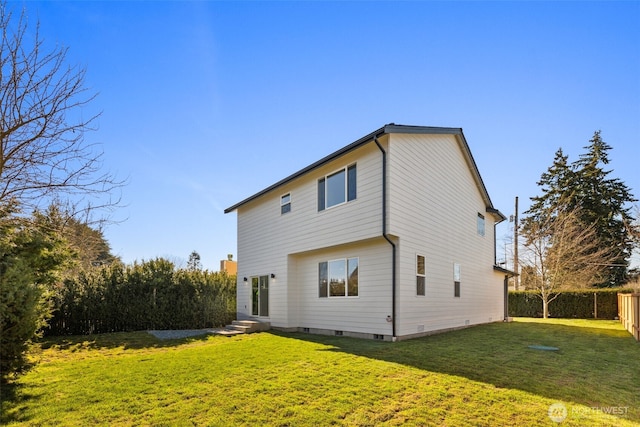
<point>516,278</point>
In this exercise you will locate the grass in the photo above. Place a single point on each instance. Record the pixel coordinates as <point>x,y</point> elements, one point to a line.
<point>485,375</point>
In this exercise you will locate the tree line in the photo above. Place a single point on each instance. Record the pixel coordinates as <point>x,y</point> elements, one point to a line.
<point>148,295</point>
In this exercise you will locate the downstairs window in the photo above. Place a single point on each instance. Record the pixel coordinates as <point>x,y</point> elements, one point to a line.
<point>338,278</point>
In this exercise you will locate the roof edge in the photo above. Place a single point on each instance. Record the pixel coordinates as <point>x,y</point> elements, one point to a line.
<point>492,210</point>
<point>326,159</point>
<point>386,129</point>
<point>506,271</point>
<point>394,128</point>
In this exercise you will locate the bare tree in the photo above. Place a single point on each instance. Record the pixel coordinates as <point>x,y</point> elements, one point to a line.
<point>43,152</point>
<point>561,253</point>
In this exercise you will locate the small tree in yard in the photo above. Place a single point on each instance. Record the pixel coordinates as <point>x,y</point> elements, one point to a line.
<point>561,253</point>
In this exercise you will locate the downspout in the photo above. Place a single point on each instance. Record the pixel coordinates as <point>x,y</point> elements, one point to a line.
<point>506,276</point>
<point>384,234</point>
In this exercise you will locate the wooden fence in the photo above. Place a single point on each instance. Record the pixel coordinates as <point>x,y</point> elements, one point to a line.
<point>629,313</point>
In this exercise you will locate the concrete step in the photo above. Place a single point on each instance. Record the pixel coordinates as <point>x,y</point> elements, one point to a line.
<point>228,332</point>
<point>247,327</point>
<point>240,328</point>
<point>253,325</point>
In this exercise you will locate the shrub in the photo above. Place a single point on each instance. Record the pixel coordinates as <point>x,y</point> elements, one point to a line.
<point>578,304</point>
<point>22,314</point>
<point>30,256</point>
<point>150,295</point>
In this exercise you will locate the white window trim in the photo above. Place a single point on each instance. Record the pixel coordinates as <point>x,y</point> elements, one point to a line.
<point>482,232</point>
<point>346,284</point>
<point>457,278</point>
<point>344,169</point>
<point>284,204</point>
<point>421,275</point>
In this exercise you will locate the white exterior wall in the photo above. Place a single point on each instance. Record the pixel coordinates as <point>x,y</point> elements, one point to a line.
<point>433,203</point>
<point>433,206</point>
<point>367,313</point>
<point>267,240</point>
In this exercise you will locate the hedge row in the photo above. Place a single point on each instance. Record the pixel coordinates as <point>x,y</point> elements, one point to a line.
<point>579,304</point>
<point>151,295</point>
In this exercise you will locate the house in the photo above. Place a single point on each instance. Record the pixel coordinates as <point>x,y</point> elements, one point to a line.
<point>229,266</point>
<point>390,237</point>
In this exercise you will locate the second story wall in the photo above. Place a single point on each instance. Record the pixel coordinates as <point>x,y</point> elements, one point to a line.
<point>264,231</point>
<point>435,201</point>
<point>432,187</point>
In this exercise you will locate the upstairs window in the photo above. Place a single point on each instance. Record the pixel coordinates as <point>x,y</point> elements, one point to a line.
<point>285,204</point>
<point>480,223</point>
<point>337,188</point>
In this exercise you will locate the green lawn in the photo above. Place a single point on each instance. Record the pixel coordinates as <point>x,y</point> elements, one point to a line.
<point>482,376</point>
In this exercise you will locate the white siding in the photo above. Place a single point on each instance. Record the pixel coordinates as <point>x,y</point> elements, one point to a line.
<point>365,313</point>
<point>434,202</point>
<point>266,238</point>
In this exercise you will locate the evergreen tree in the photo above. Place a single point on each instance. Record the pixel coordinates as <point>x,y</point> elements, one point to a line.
<point>557,185</point>
<point>90,247</point>
<point>605,202</point>
<point>194,263</point>
<point>601,204</point>
<point>31,256</point>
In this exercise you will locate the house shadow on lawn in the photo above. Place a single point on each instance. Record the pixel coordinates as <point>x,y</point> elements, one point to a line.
<point>595,366</point>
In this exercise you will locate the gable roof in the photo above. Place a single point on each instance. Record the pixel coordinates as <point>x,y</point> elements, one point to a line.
<point>388,129</point>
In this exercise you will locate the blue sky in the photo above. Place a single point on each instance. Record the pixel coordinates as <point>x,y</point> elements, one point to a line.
<point>206,103</point>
